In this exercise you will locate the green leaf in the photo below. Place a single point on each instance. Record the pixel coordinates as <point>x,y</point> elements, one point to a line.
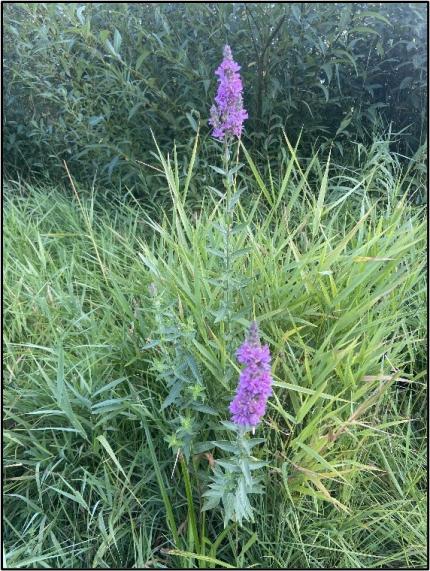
<point>325,90</point>
<point>79,14</point>
<point>117,40</point>
<point>205,409</point>
<point>211,502</point>
<point>328,69</point>
<point>75,497</point>
<point>95,120</point>
<point>107,447</point>
<point>309,403</point>
<point>142,57</point>
<point>373,14</point>
<point>192,121</point>
<point>348,56</point>
<point>364,30</point>
<point>321,196</point>
<point>218,170</point>
<point>206,558</point>
<point>225,445</point>
<point>234,199</point>
<point>344,124</point>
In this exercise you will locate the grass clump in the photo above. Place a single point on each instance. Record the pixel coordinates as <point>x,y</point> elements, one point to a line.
<point>102,303</point>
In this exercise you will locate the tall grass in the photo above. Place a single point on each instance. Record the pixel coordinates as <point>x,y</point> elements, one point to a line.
<point>334,272</point>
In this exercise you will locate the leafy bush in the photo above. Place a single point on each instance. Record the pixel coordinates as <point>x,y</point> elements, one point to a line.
<point>87,82</point>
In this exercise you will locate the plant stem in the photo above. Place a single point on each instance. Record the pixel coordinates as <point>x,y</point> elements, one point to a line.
<point>228,221</point>
<point>169,510</point>
<point>191,514</point>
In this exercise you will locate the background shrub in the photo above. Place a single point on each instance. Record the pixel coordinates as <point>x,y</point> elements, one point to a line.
<point>87,82</point>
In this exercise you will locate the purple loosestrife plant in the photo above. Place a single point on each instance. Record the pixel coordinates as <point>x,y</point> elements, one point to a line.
<point>228,114</point>
<point>233,479</point>
<point>255,382</point>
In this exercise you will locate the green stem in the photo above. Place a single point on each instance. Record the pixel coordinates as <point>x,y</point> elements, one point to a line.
<point>191,514</point>
<point>220,538</point>
<point>227,334</point>
<point>169,510</point>
<point>230,187</point>
<point>203,535</point>
<point>229,224</point>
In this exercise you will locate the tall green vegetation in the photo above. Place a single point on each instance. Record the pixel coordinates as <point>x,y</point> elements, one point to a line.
<point>86,82</point>
<point>100,301</point>
<point>122,315</point>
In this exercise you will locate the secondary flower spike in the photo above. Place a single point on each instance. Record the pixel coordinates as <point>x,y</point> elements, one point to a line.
<point>255,381</point>
<point>228,114</point>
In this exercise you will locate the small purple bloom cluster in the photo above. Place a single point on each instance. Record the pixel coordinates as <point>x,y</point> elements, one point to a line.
<point>228,114</point>
<point>255,381</point>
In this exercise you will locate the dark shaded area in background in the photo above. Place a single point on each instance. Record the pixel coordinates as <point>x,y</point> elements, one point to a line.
<point>86,83</point>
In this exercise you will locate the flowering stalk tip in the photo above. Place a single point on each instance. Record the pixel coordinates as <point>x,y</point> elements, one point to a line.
<point>228,114</point>
<point>255,381</point>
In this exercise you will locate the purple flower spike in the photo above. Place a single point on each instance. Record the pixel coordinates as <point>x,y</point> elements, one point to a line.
<point>228,114</point>
<point>255,381</point>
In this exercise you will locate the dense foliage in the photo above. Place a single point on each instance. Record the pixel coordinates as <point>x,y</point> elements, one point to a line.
<point>230,373</point>
<point>118,353</point>
<point>87,82</point>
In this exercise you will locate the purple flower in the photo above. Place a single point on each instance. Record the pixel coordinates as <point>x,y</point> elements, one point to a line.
<point>255,381</point>
<point>228,114</point>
